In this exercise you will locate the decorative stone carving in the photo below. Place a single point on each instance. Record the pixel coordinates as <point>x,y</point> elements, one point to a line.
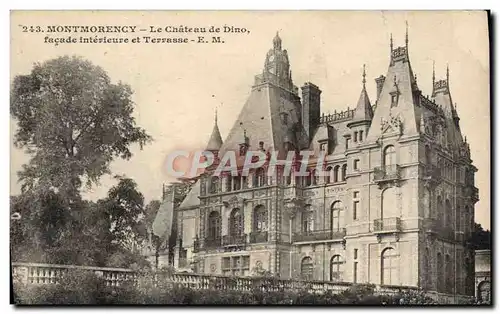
<point>392,125</point>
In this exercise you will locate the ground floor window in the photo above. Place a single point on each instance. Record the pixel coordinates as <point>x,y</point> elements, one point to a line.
<point>236,265</point>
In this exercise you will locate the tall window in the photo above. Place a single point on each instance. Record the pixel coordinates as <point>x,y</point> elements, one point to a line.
<point>235,223</point>
<point>308,219</point>
<point>336,173</point>
<point>308,178</point>
<point>448,216</point>
<point>449,274</point>
<point>214,225</point>
<point>426,200</point>
<point>390,267</point>
<point>428,269</point>
<point>260,219</point>
<point>336,268</point>
<point>440,210</point>
<point>484,291</point>
<point>259,178</point>
<point>337,222</point>
<point>355,164</point>
<point>229,182</point>
<point>306,268</point>
<point>440,271</point>
<point>360,136</point>
<point>214,185</point>
<point>329,173</point>
<point>344,172</point>
<point>236,183</point>
<point>389,156</point>
<point>428,156</point>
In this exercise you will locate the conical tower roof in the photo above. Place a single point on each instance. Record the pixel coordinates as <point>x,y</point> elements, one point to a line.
<point>215,142</point>
<point>363,111</point>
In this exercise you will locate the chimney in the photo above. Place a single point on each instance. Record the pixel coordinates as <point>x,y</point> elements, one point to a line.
<point>311,101</point>
<point>380,83</point>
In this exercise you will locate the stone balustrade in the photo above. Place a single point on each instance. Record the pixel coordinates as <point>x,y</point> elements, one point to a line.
<point>28,274</point>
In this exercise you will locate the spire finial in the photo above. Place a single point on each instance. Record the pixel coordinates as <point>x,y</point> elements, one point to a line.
<point>391,44</point>
<point>277,41</point>
<point>215,115</point>
<point>364,76</point>
<point>406,39</point>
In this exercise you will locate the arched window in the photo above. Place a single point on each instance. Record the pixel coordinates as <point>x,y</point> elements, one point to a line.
<point>306,268</point>
<point>344,172</point>
<point>336,173</point>
<point>389,267</point>
<point>336,268</point>
<point>236,183</point>
<point>449,274</point>
<point>448,216</point>
<point>389,156</point>
<point>389,203</point>
<point>307,219</point>
<point>329,175</point>
<point>428,156</point>
<point>337,216</point>
<point>214,225</point>
<point>260,219</point>
<point>440,271</point>
<point>236,223</point>
<point>214,185</point>
<point>484,291</point>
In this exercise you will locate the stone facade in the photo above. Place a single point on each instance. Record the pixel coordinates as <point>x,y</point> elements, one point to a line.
<point>395,207</point>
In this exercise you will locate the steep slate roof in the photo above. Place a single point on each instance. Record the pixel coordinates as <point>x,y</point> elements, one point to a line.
<point>400,78</point>
<point>192,199</point>
<point>441,96</point>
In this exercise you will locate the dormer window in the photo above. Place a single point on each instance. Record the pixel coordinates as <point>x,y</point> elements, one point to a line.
<point>394,100</point>
<point>323,147</point>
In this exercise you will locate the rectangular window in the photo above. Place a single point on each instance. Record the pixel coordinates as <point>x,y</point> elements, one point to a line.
<point>355,273</point>
<point>236,265</point>
<point>355,206</point>
<point>355,136</point>
<point>356,164</point>
<point>360,136</point>
<point>355,194</point>
<point>347,143</point>
<point>355,253</point>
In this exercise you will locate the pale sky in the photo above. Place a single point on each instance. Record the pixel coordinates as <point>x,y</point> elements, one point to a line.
<point>174,83</point>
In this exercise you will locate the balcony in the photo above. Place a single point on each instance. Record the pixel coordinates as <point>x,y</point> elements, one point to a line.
<point>258,237</point>
<point>387,225</point>
<point>319,235</point>
<point>211,242</point>
<point>390,173</point>
<point>234,240</point>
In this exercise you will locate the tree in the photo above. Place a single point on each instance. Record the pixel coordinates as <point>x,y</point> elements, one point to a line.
<point>124,207</point>
<point>480,238</point>
<point>72,121</point>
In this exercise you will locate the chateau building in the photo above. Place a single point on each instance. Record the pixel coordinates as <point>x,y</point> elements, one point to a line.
<point>396,206</point>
